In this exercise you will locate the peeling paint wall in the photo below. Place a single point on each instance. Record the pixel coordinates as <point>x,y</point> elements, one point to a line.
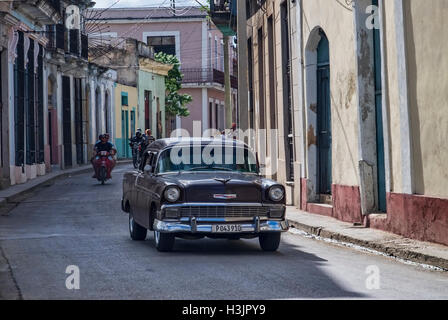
<point>392,97</point>
<point>336,19</point>
<point>427,61</point>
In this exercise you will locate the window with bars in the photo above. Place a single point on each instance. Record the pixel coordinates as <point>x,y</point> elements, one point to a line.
<point>19,102</point>
<point>40,107</point>
<point>66,121</point>
<point>166,44</point>
<point>124,99</point>
<point>30,108</point>
<point>79,122</point>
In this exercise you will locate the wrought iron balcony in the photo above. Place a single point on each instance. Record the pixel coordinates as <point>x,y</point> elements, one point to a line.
<point>207,77</point>
<point>223,14</point>
<point>74,42</point>
<point>56,37</point>
<point>84,46</point>
<point>67,41</point>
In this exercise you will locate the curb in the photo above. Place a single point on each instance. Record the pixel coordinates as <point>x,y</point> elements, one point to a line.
<point>391,251</point>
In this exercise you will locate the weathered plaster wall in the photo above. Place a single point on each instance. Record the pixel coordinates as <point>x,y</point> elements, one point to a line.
<point>392,97</point>
<point>195,108</point>
<point>428,94</point>
<point>344,113</point>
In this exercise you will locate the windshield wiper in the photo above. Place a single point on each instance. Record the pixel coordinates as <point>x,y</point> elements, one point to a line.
<point>210,168</point>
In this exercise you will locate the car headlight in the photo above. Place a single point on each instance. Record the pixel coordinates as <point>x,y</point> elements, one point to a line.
<point>276,193</point>
<point>172,194</point>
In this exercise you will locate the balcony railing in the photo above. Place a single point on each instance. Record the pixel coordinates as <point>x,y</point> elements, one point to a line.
<point>69,41</point>
<point>56,37</point>
<point>207,76</point>
<point>74,42</point>
<point>223,14</point>
<point>84,46</point>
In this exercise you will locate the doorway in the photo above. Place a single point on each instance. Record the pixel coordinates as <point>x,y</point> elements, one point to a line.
<point>324,136</point>
<point>148,109</point>
<point>52,122</point>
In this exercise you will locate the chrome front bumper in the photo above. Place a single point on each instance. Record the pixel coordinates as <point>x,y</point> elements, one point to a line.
<point>206,226</point>
<point>260,222</point>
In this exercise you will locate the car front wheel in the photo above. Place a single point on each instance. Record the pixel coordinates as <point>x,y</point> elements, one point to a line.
<point>164,241</point>
<point>137,232</point>
<point>270,241</point>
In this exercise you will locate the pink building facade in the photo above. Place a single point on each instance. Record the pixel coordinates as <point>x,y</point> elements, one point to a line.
<point>197,43</point>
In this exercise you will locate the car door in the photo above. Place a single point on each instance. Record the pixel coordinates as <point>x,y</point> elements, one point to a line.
<point>145,187</point>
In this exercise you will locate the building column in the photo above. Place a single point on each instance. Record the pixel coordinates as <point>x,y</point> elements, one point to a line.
<point>403,97</point>
<point>4,118</point>
<point>367,143</point>
<point>299,112</point>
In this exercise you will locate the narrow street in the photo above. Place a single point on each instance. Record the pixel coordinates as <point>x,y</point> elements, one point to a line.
<point>78,222</point>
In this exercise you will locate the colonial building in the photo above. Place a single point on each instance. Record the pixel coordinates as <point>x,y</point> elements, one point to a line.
<point>198,44</point>
<point>356,91</point>
<point>45,115</point>
<point>139,92</point>
<point>23,87</point>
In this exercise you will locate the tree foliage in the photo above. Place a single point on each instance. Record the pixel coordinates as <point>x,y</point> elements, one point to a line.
<point>176,103</point>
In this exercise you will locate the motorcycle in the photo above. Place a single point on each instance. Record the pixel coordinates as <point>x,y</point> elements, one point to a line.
<point>136,154</point>
<point>103,166</point>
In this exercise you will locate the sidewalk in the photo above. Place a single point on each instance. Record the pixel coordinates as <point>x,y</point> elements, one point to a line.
<point>13,195</point>
<point>384,242</point>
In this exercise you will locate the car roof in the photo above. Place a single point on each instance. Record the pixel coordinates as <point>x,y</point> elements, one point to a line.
<point>171,142</point>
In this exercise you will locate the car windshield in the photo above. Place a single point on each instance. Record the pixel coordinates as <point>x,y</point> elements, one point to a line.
<point>207,158</point>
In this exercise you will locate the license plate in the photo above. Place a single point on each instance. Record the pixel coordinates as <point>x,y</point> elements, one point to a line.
<point>227,228</point>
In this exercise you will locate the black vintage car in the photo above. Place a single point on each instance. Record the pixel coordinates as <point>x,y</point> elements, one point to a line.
<point>195,188</point>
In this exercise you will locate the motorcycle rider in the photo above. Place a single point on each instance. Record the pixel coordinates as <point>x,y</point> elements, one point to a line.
<point>147,139</point>
<point>137,138</point>
<point>105,145</point>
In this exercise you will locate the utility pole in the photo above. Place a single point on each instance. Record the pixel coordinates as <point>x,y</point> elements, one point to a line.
<point>173,6</point>
<point>243,105</point>
<point>228,88</point>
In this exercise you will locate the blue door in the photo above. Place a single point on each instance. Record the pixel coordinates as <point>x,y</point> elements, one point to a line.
<point>381,172</point>
<point>324,156</point>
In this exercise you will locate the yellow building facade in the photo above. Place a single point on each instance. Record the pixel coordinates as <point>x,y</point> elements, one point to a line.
<point>126,118</point>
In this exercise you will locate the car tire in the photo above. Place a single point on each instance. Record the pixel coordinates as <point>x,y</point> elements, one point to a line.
<point>164,241</point>
<point>270,241</point>
<point>137,232</point>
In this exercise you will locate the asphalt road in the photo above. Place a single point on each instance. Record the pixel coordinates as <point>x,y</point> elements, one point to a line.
<point>78,222</point>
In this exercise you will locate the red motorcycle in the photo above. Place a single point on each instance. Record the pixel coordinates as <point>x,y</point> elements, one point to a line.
<point>103,165</point>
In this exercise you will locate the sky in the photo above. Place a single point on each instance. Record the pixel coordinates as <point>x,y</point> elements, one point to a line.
<point>142,3</point>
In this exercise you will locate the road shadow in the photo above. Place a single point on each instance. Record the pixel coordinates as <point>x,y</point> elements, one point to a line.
<point>293,272</point>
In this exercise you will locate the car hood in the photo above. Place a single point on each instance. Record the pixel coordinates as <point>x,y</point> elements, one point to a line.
<point>217,187</point>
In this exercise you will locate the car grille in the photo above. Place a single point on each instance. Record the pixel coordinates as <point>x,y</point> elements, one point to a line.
<point>222,211</point>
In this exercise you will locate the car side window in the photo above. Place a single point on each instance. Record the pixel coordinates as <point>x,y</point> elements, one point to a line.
<point>146,163</point>
<point>154,162</point>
